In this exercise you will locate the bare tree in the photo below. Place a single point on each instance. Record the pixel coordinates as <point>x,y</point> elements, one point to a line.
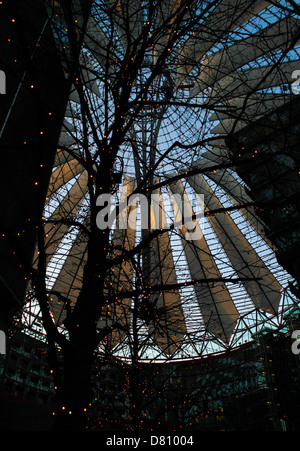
<point>138,118</point>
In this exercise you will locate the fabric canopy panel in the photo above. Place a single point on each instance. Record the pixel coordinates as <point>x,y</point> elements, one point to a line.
<point>165,20</point>
<point>63,156</point>
<point>226,61</point>
<point>217,307</point>
<point>243,82</point>
<point>246,109</point>
<point>262,287</point>
<point>168,325</point>
<point>117,314</point>
<point>68,284</point>
<point>237,194</point>
<point>98,43</point>
<point>235,191</point>
<point>250,107</point>
<point>227,16</point>
<point>62,175</point>
<point>59,222</point>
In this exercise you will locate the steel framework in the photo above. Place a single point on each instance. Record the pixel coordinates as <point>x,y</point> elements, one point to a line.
<point>231,63</point>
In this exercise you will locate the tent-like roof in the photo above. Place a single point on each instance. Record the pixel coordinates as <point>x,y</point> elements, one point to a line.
<point>231,66</point>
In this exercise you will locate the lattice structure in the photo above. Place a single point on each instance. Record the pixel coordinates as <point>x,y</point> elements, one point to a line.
<point>231,64</point>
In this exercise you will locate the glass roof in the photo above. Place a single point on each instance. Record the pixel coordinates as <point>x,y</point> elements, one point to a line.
<point>184,74</point>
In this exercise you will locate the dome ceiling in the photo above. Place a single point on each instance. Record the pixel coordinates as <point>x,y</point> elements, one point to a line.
<point>231,64</point>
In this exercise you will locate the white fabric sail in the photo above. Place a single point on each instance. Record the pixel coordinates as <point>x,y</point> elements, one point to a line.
<point>267,293</point>
<point>216,305</point>
<point>218,75</point>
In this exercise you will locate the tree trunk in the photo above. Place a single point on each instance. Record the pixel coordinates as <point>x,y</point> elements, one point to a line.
<point>75,394</point>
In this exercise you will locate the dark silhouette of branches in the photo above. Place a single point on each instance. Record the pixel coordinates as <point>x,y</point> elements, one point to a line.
<point>133,69</point>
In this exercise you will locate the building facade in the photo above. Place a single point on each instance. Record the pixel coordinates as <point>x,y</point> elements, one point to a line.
<point>255,387</point>
<point>267,157</point>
